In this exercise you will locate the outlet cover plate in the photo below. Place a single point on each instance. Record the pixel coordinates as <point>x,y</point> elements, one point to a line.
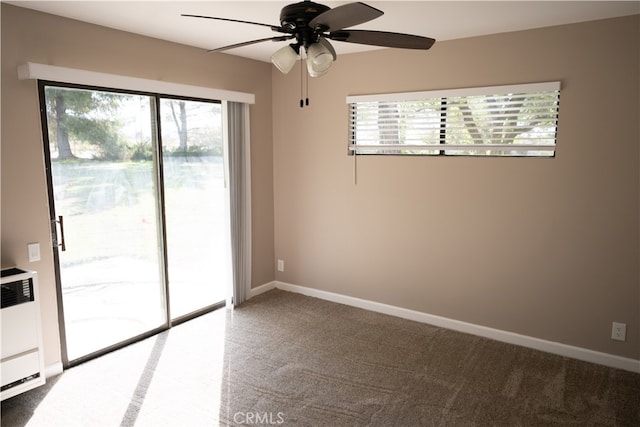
<point>618,331</point>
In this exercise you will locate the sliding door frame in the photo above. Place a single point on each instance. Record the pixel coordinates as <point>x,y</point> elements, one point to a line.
<point>158,167</point>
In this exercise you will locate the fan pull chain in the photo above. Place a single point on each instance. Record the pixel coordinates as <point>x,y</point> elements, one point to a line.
<point>307,99</point>
<point>304,101</point>
<point>301,79</point>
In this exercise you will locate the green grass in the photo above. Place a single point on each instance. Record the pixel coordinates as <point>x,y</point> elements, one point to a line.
<point>110,208</point>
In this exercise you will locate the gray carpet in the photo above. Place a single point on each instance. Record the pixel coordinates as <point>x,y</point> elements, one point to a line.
<point>286,359</point>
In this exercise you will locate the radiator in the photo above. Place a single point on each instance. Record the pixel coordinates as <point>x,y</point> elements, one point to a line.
<point>22,363</point>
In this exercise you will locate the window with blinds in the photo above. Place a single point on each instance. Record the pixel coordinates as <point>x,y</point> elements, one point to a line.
<point>516,120</point>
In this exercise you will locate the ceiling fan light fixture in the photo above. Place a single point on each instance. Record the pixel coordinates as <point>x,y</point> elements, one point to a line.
<point>319,59</point>
<point>284,59</point>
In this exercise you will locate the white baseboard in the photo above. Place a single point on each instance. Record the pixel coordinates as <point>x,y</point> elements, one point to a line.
<point>53,370</point>
<point>579,353</point>
<point>261,289</point>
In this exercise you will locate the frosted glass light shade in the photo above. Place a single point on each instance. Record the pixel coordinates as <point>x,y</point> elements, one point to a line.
<point>319,59</point>
<point>284,59</point>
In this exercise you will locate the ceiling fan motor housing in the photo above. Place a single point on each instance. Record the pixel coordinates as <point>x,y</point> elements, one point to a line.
<point>295,18</point>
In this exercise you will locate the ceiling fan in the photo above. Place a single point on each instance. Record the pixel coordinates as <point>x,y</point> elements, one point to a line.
<point>312,25</point>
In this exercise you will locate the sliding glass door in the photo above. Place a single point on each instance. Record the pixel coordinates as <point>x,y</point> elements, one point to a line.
<point>195,204</point>
<point>106,216</point>
<point>139,224</point>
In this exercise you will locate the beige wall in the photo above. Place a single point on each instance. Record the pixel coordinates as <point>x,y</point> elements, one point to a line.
<point>541,247</point>
<point>36,37</point>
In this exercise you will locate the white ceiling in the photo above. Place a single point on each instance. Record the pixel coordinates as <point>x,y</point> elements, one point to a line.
<point>442,20</point>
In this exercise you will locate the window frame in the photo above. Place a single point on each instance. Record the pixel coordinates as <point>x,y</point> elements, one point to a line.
<point>442,148</point>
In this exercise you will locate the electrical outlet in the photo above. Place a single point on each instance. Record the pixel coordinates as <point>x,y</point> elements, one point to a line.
<point>618,331</point>
<point>280,265</point>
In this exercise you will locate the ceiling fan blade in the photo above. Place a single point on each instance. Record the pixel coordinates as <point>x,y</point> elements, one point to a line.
<point>273,27</point>
<point>382,38</point>
<point>347,15</point>
<point>233,46</point>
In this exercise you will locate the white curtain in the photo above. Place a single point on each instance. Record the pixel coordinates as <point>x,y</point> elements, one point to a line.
<point>239,158</point>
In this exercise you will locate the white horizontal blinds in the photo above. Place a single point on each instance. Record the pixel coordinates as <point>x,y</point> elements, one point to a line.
<point>499,120</point>
<point>512,118</point>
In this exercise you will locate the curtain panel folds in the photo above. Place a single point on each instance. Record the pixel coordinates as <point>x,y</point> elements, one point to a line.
<point>237,124</point>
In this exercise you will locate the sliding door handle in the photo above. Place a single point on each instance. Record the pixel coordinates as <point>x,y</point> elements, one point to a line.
<point>56,222</point>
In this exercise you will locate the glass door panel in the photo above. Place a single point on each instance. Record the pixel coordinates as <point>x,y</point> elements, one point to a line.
<point>105,191</point>
<point>195,204</point>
